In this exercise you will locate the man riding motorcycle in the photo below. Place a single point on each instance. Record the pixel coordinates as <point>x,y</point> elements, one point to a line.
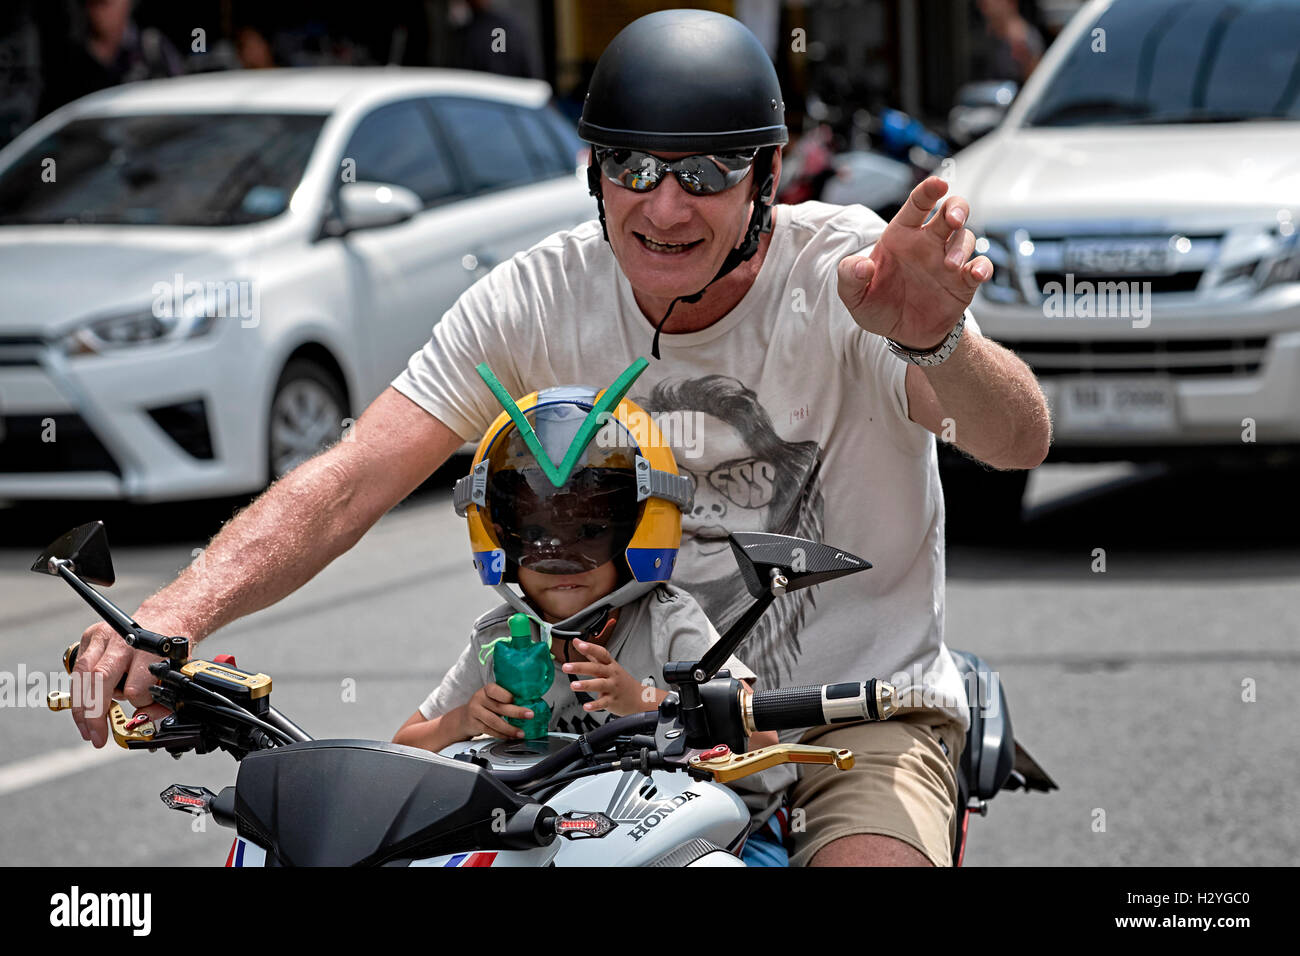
<point>813,350</point>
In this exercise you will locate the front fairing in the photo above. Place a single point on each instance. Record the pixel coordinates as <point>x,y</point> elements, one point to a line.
<point>654,814</point>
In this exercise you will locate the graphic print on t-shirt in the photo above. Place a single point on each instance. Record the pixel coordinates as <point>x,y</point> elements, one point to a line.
<point>747,478</point>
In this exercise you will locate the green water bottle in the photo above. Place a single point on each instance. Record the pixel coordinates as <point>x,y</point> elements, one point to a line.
<point>523,667</point>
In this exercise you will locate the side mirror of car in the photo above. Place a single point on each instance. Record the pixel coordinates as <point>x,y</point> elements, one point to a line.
<point>371,205</point>
<point>980,107</point>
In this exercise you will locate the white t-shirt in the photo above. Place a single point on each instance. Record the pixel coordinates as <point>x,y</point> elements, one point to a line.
<point>790,417</point>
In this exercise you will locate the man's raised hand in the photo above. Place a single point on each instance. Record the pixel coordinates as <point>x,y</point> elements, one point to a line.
<point>916,282</point>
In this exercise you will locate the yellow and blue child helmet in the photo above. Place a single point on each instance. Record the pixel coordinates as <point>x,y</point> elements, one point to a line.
<point>569,478</point>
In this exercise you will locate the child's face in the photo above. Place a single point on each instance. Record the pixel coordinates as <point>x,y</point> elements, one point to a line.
<point>562,595</point>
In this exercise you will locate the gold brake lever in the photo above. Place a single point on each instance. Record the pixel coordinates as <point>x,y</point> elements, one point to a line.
<point>125,729</point>
<point>733,766</point>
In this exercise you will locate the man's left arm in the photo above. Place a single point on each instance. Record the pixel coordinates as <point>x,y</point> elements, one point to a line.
<point>913,287</point>
<point>985,401</point>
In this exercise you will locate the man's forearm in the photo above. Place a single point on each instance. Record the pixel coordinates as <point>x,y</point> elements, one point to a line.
<point>997,409</point>
<point>306,520</point>
<point>268,550</point>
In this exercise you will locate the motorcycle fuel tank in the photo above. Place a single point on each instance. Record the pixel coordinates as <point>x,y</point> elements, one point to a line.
<point>655,814</point>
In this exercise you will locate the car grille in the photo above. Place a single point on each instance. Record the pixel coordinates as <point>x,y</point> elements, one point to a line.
<point>1045,260</point>
<point>20,349</point>
<point>74,447</point>
<point>1160,284</point>
<point>1179,357</point>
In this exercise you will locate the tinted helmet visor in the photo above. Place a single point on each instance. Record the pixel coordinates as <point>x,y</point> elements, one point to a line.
<point>577,527</point>
<point>568,530</point>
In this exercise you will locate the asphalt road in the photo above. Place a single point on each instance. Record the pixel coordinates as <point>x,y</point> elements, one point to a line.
<point>1126,685</point>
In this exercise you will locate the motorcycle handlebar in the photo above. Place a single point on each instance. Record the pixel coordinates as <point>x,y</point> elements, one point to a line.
<point>789,708</point>
<point>70,661</point>
<point>597,740</point>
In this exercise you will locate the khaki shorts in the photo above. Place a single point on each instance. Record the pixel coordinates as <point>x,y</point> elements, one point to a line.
<point>902,785</point>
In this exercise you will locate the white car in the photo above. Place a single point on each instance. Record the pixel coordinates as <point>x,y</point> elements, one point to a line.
<point>205,278</point>
<point>1140,203</point>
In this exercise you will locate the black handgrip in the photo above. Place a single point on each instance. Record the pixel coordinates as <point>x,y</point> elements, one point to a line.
<point>788,708</point>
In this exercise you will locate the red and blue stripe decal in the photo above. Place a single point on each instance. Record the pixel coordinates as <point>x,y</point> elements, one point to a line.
<point>236,857</point>
<point>471,859</point>
<point>242,853</point>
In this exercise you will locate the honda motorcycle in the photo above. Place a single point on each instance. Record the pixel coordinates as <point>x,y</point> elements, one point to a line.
<point>648,789</point>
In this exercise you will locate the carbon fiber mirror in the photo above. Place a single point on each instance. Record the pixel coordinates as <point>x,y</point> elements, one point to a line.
<point>87,548</point>
<point>777,563</point>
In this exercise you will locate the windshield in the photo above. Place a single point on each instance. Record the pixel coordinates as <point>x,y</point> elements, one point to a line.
<point>161,170</point>
<point>1179,61</point>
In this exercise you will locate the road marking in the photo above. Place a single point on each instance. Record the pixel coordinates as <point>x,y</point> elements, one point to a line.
<point>58,763</point>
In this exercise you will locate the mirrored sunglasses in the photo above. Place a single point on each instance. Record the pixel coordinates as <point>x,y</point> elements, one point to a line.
<point>701,175</point>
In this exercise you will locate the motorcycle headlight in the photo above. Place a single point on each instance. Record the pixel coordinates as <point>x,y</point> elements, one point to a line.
<point>168,319</point>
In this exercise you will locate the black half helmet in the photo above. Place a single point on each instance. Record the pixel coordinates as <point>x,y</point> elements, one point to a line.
<point>684,81</point>
<point>688,81</point>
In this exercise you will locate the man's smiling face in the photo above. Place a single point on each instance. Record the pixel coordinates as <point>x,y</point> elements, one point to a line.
<point>670,243</point>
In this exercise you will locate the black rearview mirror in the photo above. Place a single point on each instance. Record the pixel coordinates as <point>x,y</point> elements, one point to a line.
<point>86,547</point>
<point>802,563</point>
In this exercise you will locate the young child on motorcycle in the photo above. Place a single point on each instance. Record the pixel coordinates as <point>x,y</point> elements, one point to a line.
<point>592,555</point>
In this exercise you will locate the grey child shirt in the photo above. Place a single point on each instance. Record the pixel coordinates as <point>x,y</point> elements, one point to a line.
<point>666,624</point>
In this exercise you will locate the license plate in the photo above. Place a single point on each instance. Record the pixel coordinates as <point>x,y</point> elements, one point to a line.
<point>1117,256</point>
<point>1114,405</point>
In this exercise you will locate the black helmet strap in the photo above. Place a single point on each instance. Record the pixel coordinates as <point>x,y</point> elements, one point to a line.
<point>593,187</point>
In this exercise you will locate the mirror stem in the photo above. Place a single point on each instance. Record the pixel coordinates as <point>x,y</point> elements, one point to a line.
<point>727,644</point>
<point>117,619</point>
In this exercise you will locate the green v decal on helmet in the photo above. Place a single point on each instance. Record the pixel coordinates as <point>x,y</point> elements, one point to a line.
<point>599,414</point>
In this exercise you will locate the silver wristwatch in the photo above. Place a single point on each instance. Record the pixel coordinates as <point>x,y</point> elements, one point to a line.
<point>935,356</point>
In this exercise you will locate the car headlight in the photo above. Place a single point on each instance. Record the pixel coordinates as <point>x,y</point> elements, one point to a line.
<point>134,328</point>
<point>1284,264</point>
<point>1005,284</point>
<point>168,319</point>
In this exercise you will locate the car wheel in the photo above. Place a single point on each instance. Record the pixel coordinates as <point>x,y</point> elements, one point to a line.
<point>307,413</point>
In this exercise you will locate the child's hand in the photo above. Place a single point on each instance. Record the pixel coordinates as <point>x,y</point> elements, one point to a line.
<point>486,712</point>
<point>614,688</point>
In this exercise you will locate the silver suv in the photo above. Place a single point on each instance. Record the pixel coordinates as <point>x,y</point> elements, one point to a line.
<point>1140,204</point>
